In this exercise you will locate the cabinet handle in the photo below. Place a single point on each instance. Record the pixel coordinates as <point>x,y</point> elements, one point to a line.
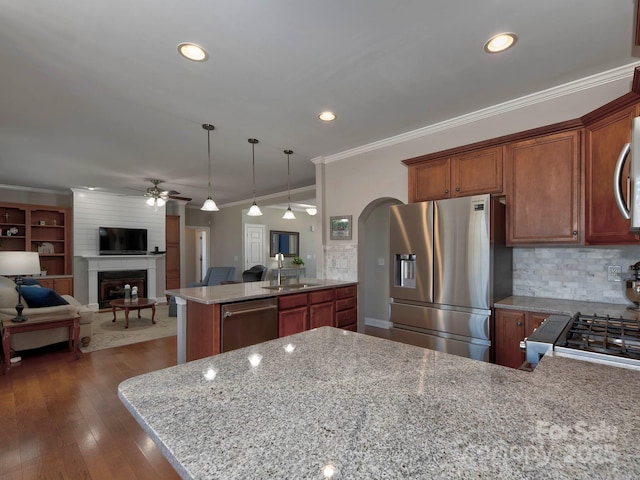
<point>446,190</point>
<point>457,189</point>
<point>575,233</point>
<point>519,324</point>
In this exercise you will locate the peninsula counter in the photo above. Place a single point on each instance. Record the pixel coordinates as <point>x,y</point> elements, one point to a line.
<point>362,407</point>
<point>200,309</point>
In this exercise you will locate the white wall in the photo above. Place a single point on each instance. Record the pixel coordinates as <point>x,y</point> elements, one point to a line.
<point>94,209</point>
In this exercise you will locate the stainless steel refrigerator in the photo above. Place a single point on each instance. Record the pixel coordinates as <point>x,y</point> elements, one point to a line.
<point>449,264</point>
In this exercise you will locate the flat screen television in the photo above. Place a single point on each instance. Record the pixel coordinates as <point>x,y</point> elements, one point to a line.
<point>122,241</point>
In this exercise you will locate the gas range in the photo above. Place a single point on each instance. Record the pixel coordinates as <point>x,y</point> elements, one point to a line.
<point>603,339</point>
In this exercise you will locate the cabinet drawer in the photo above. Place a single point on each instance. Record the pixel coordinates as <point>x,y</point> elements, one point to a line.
<point>321,296</point>
<point>345,304</point>
<point>346,317</point>
<point>344,292</point>
<point>292,301</point>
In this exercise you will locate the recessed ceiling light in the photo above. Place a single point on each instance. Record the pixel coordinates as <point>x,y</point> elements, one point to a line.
<point>500,42</point>
<point>327,116</point>
<point>194,52</point>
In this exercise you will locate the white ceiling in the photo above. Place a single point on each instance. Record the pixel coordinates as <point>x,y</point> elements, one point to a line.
<point>95,93</point>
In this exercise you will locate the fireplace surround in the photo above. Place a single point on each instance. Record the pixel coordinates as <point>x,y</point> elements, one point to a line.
<point>121,263</point>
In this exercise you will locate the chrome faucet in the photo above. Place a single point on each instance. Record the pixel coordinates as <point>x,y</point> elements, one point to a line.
<point>280,260</point>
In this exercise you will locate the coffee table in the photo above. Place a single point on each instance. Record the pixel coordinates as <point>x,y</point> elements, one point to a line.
<point>126,305</point>
<point>34,323</point>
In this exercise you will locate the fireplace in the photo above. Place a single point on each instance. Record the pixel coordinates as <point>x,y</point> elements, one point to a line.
<point>111,284</point>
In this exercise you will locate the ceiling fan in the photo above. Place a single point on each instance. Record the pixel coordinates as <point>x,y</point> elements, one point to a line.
<point>158,197</point>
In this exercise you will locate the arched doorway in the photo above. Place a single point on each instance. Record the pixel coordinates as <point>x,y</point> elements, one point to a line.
<point>373,264</point>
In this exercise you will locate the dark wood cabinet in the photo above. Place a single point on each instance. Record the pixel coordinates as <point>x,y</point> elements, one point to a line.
<point>172,257</point>
<point>39,228</point>
<point>511,327</point>
<point>543,190</point>
<point>293,314</point>
<point>321,308</point>
<point>62,285</point>
<point>475,172</point>
<point>604,140</point>
<point>347,308</point>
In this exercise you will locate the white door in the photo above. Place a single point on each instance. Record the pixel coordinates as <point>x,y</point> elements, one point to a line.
<point>254,249</point>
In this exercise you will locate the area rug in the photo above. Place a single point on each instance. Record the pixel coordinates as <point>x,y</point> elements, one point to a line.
<point>108,334</point>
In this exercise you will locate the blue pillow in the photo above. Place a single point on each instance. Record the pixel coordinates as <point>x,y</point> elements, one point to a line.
<point>30,281</point>
<point>38,297</point>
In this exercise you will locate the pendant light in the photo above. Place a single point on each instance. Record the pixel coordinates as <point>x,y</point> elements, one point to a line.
<point>209,205</point>
<point>288,214</point>
<point>254,211</point>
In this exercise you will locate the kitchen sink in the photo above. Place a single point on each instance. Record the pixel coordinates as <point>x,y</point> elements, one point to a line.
<point>290,286</point>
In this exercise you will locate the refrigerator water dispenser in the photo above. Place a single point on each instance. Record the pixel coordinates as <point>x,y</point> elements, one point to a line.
<point>405,270</point>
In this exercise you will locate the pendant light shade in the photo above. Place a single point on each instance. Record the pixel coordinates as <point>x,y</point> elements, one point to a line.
<point>288,214</point>
<point>209,205</point>
<point>254,211</point>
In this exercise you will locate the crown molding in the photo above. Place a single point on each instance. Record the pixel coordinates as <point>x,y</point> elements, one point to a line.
<point>36,190</point>
<point>603,78</point>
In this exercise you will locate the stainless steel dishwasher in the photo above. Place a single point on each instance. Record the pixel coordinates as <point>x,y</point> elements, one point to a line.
<point>248,323</point>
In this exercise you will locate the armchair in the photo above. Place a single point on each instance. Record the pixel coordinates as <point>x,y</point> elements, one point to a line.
<point>256,273</point>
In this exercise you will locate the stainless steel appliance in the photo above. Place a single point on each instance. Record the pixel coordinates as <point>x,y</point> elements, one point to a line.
<point>449,263</point>
<point>248,323</point>
<point>602,339</point>
<point>630,208</point>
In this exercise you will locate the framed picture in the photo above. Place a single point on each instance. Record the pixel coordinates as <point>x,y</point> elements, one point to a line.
<point>340,227</point>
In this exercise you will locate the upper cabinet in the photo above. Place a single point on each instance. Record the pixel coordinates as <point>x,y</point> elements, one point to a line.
<point>543,190</point>
<point>604,138</point>
<point>470,173</point>
<point>38,228</point>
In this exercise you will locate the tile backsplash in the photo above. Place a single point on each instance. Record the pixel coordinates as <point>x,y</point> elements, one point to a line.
<point>572,273</point>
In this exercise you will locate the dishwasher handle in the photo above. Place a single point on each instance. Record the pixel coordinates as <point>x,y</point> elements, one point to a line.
<point>228,313</point>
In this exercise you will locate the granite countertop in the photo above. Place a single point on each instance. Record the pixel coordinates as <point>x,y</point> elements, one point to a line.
<point>234,292</point>
<point>566,307</point>
<point>366,407</point>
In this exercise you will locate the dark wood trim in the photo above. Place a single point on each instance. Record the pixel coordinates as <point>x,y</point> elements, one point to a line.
<point>613,106</point>
<point>637,24</point>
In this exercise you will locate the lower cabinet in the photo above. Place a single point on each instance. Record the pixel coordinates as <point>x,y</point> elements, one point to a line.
<point>293,316</point>
<point>512,326</point>
<point>331,307</point>
<point>347,308</point>
<point>62,285</point>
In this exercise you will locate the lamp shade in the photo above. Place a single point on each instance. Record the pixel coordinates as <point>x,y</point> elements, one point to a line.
<point>254,211</point>
<point>14,264</point>
<point>288,214</point>
<point>209,205</point>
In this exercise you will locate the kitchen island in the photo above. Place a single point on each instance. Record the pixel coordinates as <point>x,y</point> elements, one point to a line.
<point>329,403</point>
<point>301,304</point>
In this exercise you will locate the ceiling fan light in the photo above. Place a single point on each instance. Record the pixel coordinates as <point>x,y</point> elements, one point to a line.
<point>288,214</point>
<point>209,205</point>
<point>312,211</point>
<point>254,211</point>
<point>151,201</point>
<point>160,201</point>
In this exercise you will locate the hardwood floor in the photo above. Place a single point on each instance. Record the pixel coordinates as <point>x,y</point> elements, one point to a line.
<point>61,418</point>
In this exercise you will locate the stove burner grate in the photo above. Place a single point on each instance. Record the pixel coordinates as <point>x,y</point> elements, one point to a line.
<point>612,336</point>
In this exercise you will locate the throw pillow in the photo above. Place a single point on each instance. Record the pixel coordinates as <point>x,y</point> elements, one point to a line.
<point>38,297</point>
<point>30,281</point>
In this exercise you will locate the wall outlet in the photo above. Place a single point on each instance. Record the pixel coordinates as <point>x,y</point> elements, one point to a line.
<point>613,273</point>
<point>381,261</point>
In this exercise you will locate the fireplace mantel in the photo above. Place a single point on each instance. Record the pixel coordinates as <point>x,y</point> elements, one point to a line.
<point>103,263</point>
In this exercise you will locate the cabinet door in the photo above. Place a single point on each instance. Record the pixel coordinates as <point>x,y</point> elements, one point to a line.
<point>543,190</point>
<point>172,258</point>
<point>430,181</point>
<point>509,331</point>
<point>292,321</point>
<point>603,142</point>
<point>477,172</point>
<point>533,321</point>
<point>321,315</point>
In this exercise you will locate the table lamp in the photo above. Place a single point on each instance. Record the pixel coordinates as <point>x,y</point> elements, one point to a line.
<point>16,264</point>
